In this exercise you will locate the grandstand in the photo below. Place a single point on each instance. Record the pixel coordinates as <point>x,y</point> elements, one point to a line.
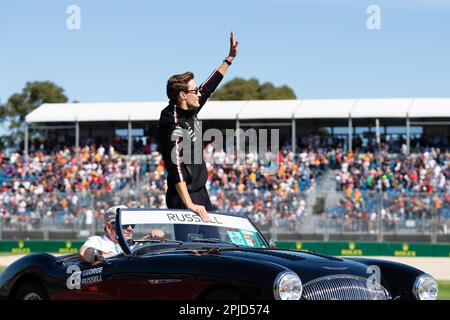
<point>416,121</point>
<point>350,169</point>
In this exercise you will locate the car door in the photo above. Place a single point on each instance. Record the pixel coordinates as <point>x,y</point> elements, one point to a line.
<point>155,277</point>
<point>85,282</point>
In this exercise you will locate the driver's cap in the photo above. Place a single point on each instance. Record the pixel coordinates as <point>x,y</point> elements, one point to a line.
<point>110,214</point>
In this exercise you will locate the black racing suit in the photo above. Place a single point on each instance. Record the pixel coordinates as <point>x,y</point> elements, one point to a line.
<point>172,141</point>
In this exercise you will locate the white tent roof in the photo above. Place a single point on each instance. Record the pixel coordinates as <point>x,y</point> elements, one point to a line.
<point>317,109</point>
<point>230,110</point>
<point>381,108</point>
<point>430,108</point>
<point>148,111</point>
<point>93,112</point>
<point>269,109</point>
<point>221,110</point>
<point>108,112</point>
<point>56,112</point>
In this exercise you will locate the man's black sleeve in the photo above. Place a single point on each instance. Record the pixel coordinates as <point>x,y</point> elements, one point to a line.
<point>171,138</point>
<point>208,87</point>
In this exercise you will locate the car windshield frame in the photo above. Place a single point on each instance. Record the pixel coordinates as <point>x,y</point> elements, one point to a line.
<point>128,251</point>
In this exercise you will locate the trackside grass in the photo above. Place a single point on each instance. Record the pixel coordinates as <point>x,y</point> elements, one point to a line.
<point>444,290</point>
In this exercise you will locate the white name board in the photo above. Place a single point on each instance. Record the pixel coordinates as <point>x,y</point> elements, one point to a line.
<point>183,217</point>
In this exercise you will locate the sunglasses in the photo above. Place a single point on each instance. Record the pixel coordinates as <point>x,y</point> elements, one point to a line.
<point>194,91</point>
<point>125,226</point>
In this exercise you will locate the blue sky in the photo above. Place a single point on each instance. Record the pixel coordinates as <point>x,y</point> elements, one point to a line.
<point>126,50</point>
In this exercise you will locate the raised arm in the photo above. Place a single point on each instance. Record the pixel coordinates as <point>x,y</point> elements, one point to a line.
<point>231,55</point>
<point>208,87</point>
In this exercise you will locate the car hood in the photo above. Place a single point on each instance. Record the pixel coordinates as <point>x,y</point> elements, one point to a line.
<point>308,265</point>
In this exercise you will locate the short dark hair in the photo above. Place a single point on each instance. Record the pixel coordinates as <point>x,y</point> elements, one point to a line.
<point>178,83</point>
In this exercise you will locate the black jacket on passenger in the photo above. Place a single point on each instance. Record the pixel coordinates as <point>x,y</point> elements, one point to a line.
<point>173,119</point>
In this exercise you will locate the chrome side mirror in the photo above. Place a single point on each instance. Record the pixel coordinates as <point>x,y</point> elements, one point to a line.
<point>273,243</point>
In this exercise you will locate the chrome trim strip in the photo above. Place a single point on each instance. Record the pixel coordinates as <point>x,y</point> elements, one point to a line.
<point>163,281</point>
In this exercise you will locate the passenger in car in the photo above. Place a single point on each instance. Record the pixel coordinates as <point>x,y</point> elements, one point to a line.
<point>98,248</point>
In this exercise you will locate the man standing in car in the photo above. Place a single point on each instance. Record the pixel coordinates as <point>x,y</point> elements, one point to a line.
<point>186,181</point>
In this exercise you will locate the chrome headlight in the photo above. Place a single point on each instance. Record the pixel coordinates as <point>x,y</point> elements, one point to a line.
<point>425,288</point>
<point>287,286</point>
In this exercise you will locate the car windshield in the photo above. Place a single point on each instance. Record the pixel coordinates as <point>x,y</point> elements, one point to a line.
<point>140,227</point>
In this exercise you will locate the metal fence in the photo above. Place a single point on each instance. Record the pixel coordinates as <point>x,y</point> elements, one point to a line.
<point>82,216</point>
<point>379,214</point>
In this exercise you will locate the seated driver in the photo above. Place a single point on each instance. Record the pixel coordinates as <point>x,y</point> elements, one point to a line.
<point>98,248</point>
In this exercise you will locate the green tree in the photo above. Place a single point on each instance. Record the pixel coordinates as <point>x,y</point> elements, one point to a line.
<point>20,104</point>
<point>242,89</point>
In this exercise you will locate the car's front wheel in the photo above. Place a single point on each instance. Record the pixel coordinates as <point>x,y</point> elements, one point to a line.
<point>31,290</point>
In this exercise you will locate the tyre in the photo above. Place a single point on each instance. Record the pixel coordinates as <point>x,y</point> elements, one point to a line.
<point>31,290</point>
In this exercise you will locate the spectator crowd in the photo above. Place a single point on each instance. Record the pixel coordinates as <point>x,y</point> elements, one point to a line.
<point>407,190</point>
<point>56,189</point>
<point>59,190</point>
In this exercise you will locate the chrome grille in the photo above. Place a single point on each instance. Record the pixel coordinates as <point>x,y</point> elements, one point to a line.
<point>344,287</point>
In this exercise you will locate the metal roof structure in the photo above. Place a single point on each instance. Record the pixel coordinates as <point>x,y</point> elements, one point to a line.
<point>246,110</point>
